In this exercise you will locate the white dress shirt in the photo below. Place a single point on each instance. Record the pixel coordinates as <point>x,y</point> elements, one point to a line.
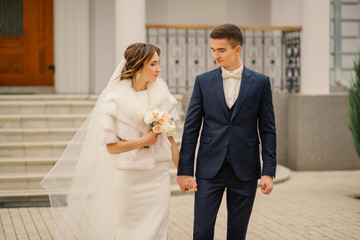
<point>232,85</point>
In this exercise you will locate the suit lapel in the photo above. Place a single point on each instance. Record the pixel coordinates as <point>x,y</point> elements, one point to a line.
<point>217,84</point>
<point>244,88</point>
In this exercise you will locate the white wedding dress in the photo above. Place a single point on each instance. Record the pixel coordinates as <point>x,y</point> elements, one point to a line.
<point>143,198</point>
<point>91,199</point>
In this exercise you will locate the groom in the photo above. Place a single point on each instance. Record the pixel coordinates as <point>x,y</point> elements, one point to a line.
<point>233,104</point>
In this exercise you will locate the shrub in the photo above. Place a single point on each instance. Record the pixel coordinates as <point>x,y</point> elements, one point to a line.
<point>354,102</point>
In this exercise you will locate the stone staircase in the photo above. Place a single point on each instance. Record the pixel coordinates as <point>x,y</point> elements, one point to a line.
<point>34,131</point>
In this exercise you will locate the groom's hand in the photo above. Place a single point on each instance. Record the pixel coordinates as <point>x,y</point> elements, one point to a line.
<point>186,183</point>
<point>267,184</point>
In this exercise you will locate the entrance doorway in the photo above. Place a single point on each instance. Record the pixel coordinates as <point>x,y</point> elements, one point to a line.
<point>26,43</point>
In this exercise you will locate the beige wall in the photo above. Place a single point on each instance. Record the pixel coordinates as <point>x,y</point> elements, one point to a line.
<point>286,12</point>
<point>248,12</point>
<point>208,12</point>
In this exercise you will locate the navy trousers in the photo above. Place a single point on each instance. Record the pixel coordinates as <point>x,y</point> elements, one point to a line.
<point>240,197</point>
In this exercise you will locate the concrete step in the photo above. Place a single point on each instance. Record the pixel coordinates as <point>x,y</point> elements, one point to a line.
<point>58,97</point>
<point>46,106</point>
<point>66,120</point>
<point>42,120</point>
<point>11,181</point>
<point>49,134</point>
<point>26,165</point>
<point>25,195</point>
<point>36,134</point>
<point>44,97</point>
<point>10,167</point>
<point>17,135</point>
<point>26,187</point>
<point>56,103</point>
<point>32,149</point>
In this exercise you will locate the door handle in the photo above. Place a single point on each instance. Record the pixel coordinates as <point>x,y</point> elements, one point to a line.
<point>51,67</point>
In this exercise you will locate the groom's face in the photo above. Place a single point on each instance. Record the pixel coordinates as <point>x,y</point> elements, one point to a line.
<point>224,54</point>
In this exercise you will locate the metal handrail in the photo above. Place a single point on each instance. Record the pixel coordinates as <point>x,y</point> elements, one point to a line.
<point>284,29</point>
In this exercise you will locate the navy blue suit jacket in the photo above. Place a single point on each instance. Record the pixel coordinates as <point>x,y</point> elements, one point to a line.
<point>222,134</point>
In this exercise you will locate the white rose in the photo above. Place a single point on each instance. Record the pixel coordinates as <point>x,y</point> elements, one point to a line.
<point>148,117</point>
<point>171,130</point>
<point>165,127</point>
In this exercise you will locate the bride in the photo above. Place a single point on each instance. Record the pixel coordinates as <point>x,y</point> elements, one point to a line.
<point>113,181</point>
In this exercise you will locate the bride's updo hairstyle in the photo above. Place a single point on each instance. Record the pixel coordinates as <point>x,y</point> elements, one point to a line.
<point>136,55</point>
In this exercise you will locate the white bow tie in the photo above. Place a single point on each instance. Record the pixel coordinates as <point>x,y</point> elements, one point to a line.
<point>235,74</point>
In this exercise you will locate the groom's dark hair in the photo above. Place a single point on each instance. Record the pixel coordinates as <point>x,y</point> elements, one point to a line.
<point>229,32</point>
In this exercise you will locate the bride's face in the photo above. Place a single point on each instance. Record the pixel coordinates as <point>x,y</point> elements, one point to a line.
<point>151,69</point>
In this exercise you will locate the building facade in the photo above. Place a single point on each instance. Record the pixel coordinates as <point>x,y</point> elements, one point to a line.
<point>86,38</point>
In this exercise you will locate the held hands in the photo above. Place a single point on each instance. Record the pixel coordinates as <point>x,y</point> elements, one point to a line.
<point>186,183</point>
<point>267,184</point>
<point>149,138</point>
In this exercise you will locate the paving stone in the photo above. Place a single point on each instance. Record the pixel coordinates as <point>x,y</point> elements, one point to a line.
<point>17,221</point>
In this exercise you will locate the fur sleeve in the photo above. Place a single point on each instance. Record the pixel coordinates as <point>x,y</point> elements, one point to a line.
<point>108,123</point>
<point>173,108</point>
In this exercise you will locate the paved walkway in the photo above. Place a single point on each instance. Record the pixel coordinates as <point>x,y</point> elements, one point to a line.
<point>309,205</point>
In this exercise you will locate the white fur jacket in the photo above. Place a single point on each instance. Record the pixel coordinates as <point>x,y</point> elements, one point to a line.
<point>122,118</point>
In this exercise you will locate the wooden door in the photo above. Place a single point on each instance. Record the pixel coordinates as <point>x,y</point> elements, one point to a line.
<point>26,43</point>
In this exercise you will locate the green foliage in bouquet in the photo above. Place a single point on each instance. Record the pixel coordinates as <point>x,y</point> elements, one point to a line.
<point>354,102</point>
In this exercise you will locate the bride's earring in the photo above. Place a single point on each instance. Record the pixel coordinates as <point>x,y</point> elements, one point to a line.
<point>137,76</point>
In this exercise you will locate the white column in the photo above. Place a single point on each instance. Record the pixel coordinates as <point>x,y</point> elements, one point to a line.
<point>71,51</point>
<point>315,47</point>
<point>102,43</point>
<point>129,25</point>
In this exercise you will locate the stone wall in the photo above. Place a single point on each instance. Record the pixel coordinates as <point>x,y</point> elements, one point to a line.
<point>317,134</point>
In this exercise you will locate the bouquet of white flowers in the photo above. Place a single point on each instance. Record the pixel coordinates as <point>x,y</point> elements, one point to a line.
<point>160,122</point>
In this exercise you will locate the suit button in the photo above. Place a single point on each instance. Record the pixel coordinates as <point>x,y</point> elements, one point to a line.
<point>227,155</point>
<point>230,125</point>
<point>226,145</point>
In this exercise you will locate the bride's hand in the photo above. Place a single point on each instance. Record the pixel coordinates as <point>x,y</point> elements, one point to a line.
<point>191,185</point>
<point>149,138</point>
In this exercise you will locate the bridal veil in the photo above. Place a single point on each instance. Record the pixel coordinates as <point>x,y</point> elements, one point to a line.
<point>80,185</point>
